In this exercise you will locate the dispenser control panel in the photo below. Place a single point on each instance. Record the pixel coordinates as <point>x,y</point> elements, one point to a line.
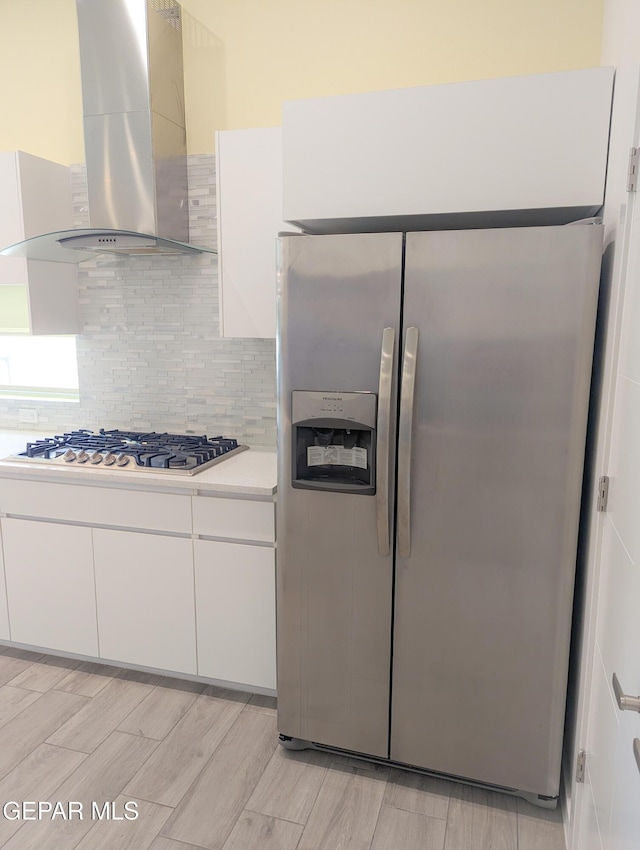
<point>357,407</point>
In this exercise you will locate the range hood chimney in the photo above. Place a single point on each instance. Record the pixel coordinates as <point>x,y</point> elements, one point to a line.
<point>134,132</point>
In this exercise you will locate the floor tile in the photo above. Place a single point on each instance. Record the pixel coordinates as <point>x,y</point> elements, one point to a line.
<point>15,661</point>
<point>102,714</point>
<point>159,712</point>
<point>162,843</point>
<point>289,786</point>
<point>409,830</point>
<point>127,834</point>
<point>13,700</point>
<point>346,810</point>
<point>89,679</point>
<point>257,831</point>
<point>36,778</point>
<point>45,673</point>
<point>415,792</point>
<point>184,752</point>
<point>212,805</point>
<point>539,829</point>
<point>99,778</point>
<point>22,734</point>
<point>482,820</point>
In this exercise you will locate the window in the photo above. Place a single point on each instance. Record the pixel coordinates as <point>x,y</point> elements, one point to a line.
<point>39,367</point>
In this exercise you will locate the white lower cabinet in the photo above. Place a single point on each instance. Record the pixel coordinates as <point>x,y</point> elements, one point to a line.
<point>144,591</point>
<point>4,613</point>
<point>201,607</point>
<point>50,587</point>
<point>235,612</point>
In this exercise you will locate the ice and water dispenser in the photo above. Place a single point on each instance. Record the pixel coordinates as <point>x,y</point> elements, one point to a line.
<point>333,435</point>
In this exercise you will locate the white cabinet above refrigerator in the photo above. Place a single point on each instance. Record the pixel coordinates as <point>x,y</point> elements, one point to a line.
<point>526,150</point>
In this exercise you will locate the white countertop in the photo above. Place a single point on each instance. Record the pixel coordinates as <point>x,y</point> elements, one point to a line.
<point>250,473</point>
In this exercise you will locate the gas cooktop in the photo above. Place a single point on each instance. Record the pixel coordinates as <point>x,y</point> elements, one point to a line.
<point>134,451</point>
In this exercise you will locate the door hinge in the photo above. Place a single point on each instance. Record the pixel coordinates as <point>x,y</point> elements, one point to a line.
<point>580,765</point>
<point>603,493</point>
<point>632,174</point>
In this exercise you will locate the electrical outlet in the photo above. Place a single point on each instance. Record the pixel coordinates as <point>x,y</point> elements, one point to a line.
<point>28,414</point>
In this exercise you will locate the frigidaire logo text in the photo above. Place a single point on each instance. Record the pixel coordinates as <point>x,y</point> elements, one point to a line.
<point>331,398</point>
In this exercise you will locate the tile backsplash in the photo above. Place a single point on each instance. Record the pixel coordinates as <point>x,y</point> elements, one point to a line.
<point>150,355</point>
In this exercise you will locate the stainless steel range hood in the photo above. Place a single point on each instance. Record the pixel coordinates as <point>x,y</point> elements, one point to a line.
<point>134,132</point>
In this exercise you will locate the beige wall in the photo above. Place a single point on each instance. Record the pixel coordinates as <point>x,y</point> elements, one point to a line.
<point>41,100</point>
<point>244,57</point>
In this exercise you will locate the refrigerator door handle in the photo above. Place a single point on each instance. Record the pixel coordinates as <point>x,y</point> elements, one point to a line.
<point>405,427</point>
<point>383,440</point>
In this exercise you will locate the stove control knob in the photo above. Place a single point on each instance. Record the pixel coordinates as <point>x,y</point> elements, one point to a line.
<point>82,456</point>
<point>109,459</point>
<point>122,460</point>
<point>69,456</point>
<point>95,457</point>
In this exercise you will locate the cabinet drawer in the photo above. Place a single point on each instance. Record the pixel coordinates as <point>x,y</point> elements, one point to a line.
<point>235,519</point>
<point>96,505</point>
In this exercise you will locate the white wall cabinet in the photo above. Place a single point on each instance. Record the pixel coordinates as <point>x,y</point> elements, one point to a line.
<point>235,612</point>
<point>249,197</point>
<point>144,592</point>
<point>4,613</point>
<point>518,150</point>
<point>36,297</point>
<point>50,586</point>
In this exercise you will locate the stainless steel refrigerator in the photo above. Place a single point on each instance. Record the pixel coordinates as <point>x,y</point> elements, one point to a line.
<point>432,404</point>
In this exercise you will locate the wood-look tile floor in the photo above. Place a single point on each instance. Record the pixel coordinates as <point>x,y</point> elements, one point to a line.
<point>205,769</point>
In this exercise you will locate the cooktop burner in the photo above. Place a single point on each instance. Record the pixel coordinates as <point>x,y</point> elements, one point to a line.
<point>136,451</point>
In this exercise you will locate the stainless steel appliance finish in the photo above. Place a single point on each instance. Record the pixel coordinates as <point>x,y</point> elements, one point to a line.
<point>333,679</point>
<point>134,132</point>
<point>134,123</point>
<point>449,653</point>
<point>131,451</point>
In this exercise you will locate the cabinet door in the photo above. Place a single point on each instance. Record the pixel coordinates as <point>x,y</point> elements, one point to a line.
<point>36,297</point>
<point>235,612</point>
<point>249,188</point>
<point>144,592</point>
<point>401,159</point>
<point>50,586</point>
<point>4,614</point>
